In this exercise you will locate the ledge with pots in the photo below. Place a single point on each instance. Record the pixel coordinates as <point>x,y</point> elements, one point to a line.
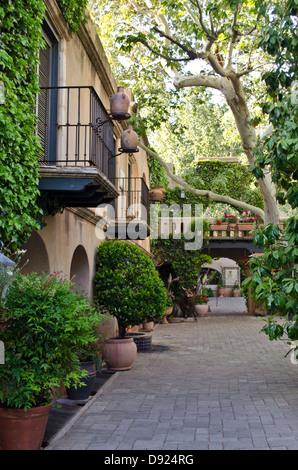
<point>231,230</point>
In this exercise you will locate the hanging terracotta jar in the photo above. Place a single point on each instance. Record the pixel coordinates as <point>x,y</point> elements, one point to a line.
<point>129,139</point>
<point>119,104</point>
<point>157,193</point>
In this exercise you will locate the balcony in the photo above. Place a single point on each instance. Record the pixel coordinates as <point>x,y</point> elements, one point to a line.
<point>75,165</point>
<point>129,215</point>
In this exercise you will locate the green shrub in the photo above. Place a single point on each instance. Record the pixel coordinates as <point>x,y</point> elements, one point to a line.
<point>127,284</point>
<point>44,323</point>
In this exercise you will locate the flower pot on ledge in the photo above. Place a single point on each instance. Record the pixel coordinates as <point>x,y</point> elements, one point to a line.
<point>236,293</point>
<point>218,227</point>
<point>201,309</point>
<point>245,226</point>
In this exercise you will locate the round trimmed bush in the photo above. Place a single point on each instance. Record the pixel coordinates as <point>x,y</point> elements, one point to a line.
<point>127,285</point>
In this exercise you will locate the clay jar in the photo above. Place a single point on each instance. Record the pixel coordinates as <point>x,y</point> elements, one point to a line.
<point>201,309</point>
<point>119,353</point>
<point>23,430</point>
<point>119,104</point>
<point>129,139</point>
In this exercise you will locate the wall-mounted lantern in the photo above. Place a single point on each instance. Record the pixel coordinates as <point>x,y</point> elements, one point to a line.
<point>182,195</point>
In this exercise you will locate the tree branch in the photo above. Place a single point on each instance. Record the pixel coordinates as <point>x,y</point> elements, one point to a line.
<point>200,192</point>
<point>192,54</point>
<point>184,81</point>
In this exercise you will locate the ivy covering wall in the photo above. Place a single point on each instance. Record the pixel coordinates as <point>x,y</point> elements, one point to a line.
<point>20,41</point>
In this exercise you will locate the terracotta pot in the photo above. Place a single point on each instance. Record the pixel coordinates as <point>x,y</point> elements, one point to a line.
<point>119,353</point>
<point>23,430</point>
<point>148,326</point>
<point>168,312</point>
<point>236,293</point>
<point>119,104</point>
<point>129,139</point>
<point>201,309</point>
<point>157,193</point>
<point>245,227</point>
<point>219,227</point>
<point>221,291</point>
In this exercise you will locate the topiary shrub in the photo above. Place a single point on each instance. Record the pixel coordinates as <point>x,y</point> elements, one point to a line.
<point>127,284</point>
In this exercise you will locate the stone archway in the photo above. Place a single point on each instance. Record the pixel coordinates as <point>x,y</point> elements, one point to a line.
<point>79,270</point>
<point>36,258</point>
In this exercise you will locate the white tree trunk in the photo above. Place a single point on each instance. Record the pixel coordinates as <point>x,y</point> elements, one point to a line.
<point>234,95</point>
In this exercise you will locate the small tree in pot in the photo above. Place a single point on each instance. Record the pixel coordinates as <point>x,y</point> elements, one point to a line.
<point>43,323</point>
<point>127,286</point>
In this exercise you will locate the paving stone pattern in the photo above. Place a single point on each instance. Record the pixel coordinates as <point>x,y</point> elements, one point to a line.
<point>215,384</point>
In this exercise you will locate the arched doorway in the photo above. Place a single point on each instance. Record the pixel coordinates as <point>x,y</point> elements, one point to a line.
<point>36,259</point>
<point>79,270</point>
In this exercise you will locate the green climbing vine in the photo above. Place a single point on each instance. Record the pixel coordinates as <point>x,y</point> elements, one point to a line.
<point>183,264</point>
<point>20,41</point>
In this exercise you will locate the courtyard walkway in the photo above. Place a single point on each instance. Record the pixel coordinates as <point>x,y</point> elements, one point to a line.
<point>214,384</point>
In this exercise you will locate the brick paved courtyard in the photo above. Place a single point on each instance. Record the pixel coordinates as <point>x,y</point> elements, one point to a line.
<point>215,384</point>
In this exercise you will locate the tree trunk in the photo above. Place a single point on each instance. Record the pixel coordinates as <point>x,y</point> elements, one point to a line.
<point>232,90</point>
<point>248,136</point>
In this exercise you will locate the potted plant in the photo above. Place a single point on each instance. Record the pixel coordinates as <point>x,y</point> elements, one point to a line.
<point>231,220</point>
<point>221,288</point>
<point>90,357</point>
<point>201,303</point>
<point>236,290</point>
<point>246,221</point>
<point>223,223</point>
<point>128,287</point>
<point>43,322</point>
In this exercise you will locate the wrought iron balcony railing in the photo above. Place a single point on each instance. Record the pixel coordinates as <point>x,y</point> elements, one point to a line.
<point>67,128</point>
<point>133,200</point>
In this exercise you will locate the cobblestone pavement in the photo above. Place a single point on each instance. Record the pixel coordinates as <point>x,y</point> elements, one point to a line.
<point>217,383</point>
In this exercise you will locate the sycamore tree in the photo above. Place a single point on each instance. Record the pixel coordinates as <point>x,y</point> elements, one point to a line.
<point>274,280</point>
<point>170,44</point>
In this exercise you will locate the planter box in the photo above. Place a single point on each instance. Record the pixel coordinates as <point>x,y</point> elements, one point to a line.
<point>219,227</point>
<point>245,227</point>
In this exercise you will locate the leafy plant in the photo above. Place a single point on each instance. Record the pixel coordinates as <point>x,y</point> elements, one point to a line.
<point>44,323</point>
<point>127,284</point>
<point>186,264</point>
<point>21,208</point>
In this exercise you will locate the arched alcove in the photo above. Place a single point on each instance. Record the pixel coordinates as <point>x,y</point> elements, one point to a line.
<point>36,258</point>
<point>79,270</point>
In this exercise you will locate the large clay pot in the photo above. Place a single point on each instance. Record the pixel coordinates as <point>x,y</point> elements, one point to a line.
<point>119,353</point>
<point>83,392</point>
<point>157,193</point>
<point>129,140</point>
<point>119,104</point>
<point>23,430</point>
<point>148,326</point>
<point>201,309</point>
